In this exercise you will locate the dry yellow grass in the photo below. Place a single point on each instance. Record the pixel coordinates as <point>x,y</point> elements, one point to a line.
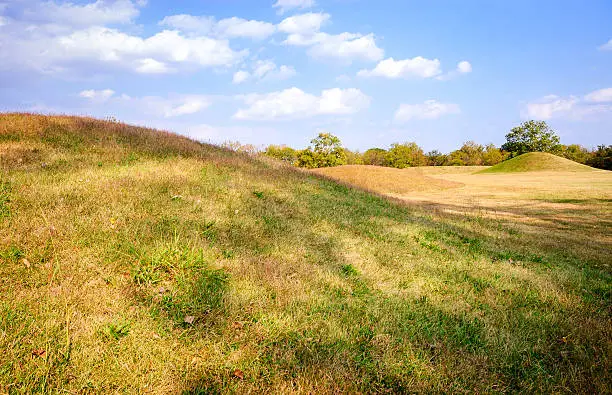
<point>385,179</point>
<point>567,208</point>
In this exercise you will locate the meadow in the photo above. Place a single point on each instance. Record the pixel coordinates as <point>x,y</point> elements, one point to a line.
<point>135,261</point>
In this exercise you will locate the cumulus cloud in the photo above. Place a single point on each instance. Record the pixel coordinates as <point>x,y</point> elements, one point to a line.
<point>159,53</point>
<point>268,69</point>
<point>294,103</point>
<point>238,27</point>
<point>607,46</point>
<point>571,107</point>
<point>286,5</point>
<point>98,13</point>
<point>225,28</point>
<point>303,24</point>
<point>464,67</point>
<point>152,66</point>
<point>343,46</point>
<point>240,76</point>
<point>418,67</point>
<point>430,109</point>
<point>190,23</point>
<point>264,70</point>
<point>600,96</point>
<point>189,106</point>
<point>97,95</point>
<point>550,106</point>
<point>164,107</point>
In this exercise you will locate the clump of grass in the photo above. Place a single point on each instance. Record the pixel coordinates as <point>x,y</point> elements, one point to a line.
<point>199,294</point>
<point>115,330</point>
<point>190,286</point>
<point>349,270</point>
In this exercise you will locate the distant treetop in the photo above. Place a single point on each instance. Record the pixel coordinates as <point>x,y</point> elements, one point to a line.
<point>531,136</point>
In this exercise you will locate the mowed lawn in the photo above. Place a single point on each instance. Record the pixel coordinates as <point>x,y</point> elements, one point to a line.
<point>136,261</point>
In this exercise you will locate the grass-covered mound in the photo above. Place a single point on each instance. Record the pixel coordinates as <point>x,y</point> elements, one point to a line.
<point>385,179</point>
<point>133,260</point>
<point>537,161</point>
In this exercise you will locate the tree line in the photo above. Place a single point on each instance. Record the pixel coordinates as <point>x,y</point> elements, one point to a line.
<point>532,136</point>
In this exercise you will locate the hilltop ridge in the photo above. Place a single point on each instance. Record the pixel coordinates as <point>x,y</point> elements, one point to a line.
<point>537,161</point>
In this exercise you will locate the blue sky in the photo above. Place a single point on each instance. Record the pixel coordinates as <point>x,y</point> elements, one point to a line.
<point>278,71</point>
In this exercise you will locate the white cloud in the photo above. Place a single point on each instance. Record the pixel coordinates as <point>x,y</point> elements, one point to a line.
<point>98,13</point>
<point>571,107</point>
<point>225,28</point>
<point>152,66</point>
<point>185,106</point>
<point>155,106</point>
<point>430,109</point>
<point>241,76</point>
<point>600,96</point>
<point>308,23</point>
<point>286,5</point>
<point>293,103</point>
<point>264,70</point>
<point>238,27</point>
<point>45,52</point>
<point>190,23</point>
<point>343,46</point>
<point>101,95</point>
<point>549,106</point>
<point>3,21</point>
<point>607,46</point>
<point>416,67</point>
<point>464,67</point>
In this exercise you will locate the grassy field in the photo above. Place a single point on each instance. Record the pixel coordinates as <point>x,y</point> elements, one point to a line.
<point>139,261</point>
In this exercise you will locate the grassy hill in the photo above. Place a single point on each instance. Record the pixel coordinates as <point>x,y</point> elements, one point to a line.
<point>134,260</point>
<point>537,161</point>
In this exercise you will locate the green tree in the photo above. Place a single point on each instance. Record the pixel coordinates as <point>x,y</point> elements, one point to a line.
<point>472,153</point>
<point>375,157</point>
<point>435,158</point>
<point>601,158</point>
<point>574,152</point>
<point>405,155</point>
<point>306,158</point>
<point>455,158</point>
<point>531,136</point>
<point>353,157</point>
<point>492,155</point>
<point>281,152</point>
<point>327,152</point>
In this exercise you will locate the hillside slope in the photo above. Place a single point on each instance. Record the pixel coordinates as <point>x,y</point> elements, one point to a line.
<point>133,260</point>
<point>537,161</point>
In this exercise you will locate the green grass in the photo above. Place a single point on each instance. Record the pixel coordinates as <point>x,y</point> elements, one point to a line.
<point>537,161</point>
<point>300,283</point>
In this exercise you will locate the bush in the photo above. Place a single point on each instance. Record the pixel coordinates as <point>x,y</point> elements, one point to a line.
<point>282,152</point>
